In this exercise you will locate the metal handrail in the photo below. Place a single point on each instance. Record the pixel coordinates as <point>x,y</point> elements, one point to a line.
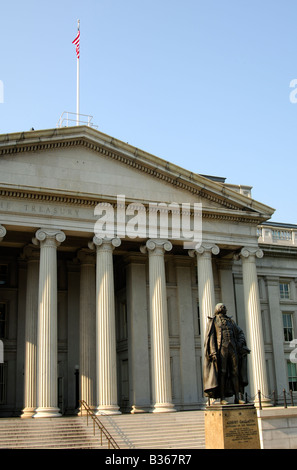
<point>77,118</point>
<point>96,420</point>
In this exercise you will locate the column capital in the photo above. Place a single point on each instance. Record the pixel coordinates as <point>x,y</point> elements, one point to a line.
<point>247,251</point>
<point>2,232</point>
<point>49,236</point>
<point>156,245</point>
<point>30,253</point>
<point>207,248</point>
<point>104,243</point>
<point>86,256</point>
<point>272,280</point>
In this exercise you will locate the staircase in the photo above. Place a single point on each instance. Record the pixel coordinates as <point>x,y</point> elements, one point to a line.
<point>47,433</point>
<point>180,430</point>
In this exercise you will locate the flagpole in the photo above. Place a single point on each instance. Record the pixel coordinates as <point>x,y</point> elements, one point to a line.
<point>77,81</point>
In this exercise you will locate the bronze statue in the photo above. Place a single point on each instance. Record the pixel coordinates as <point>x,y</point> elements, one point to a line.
<point>225,358</point>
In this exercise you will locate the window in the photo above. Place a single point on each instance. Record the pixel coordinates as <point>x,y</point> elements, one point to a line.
<point>3,274</point>
<point>284,290</point>
<point>125,381</point>
<point>198,315</point>
<point>3,382</point>
<point>122,321</point>
<point>2,319</point>
<point>288,326</point>
<point>292,376</point>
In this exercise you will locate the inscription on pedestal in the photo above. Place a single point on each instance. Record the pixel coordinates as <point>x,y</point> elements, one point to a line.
<point>231,427</point>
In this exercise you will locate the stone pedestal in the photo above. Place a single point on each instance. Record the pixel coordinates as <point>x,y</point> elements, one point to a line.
<point>231,427</point>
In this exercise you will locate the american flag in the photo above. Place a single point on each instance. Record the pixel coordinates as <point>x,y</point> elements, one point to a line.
<point>76,42</point>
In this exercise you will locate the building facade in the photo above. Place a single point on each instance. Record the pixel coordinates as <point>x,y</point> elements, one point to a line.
<point>117,318</point>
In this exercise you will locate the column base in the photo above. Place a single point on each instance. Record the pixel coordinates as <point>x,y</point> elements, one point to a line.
<point>47,413</point>
<point>265,403</point>
<point>108,410</point>
<point>82,411</point>
<point>164,408</point>
<point>28,412</point>
<point>141,409</point>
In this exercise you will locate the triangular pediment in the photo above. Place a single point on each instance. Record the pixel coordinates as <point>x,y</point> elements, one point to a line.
<point>83,162</point>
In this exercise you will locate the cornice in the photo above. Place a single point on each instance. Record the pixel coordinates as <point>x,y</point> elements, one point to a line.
<point>108,147</point>
<point>47,197</point>
<point>278,250</point>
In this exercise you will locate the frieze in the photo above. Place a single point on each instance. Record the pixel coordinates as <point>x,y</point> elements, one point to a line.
<point>83,202</point>
<point>42,209</point>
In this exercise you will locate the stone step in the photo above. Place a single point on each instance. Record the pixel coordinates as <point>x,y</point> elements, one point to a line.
<point>47,433</point>
<point>170,430</point>
<point>180,430</point>
<point>46,444</point>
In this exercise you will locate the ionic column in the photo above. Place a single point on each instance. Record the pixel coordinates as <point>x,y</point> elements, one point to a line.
<point>47,347</point>
<point>32,256</point>
<point>227,287</point>
<point>205,283</point>
<point>87,328</point>
<point>160,352</point>
<point>276,331</point>
<point>188,367</point>
<point>255,341</point>
<point>138,349</point>
<point>2,235</point>
<point>105,329</point>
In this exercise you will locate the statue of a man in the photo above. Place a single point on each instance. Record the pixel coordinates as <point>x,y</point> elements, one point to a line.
<point>225,358</point>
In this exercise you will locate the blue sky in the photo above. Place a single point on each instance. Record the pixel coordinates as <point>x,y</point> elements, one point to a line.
<point>204,84</point>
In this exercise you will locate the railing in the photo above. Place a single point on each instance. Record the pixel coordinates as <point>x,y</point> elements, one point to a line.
<point>97,422</point>
<point>71,119</point>
<point>285,399</point>
<point>272,235</point>
<point>119,431</point>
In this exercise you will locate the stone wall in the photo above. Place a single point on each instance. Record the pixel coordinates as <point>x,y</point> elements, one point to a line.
<point>278,427</point>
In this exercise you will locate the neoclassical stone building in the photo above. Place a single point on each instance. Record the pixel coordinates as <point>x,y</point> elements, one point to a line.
<point>119,320</point>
